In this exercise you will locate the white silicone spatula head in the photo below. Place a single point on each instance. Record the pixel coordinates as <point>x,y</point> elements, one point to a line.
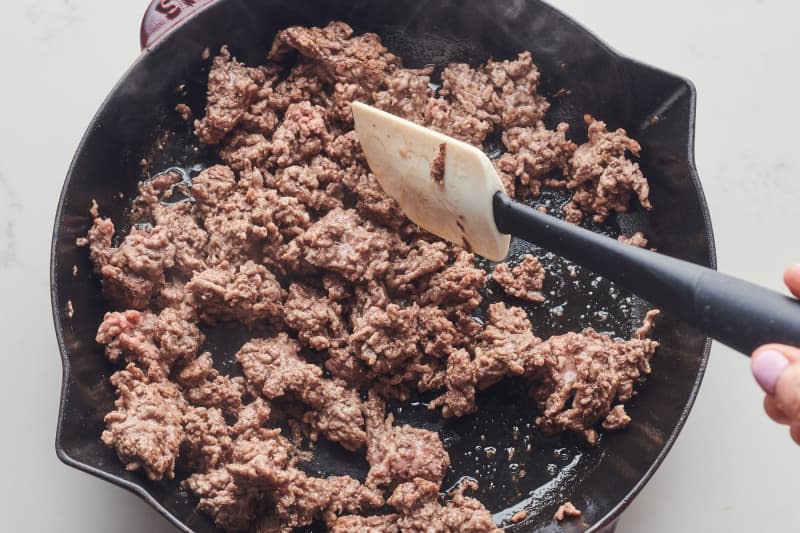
<point>444,185</point>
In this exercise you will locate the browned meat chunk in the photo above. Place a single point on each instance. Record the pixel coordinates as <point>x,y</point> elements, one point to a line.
<point>637,239</point>
<point>308,185</point>
<point>648,324</point>
<point>405,93</point>
<point>153,342</point>
<point>438,164</point>
<point>384,334</point>
<point>617,418</point>
<point>301,135</point>
<point>146,428</point>
<point>397,454</point>
<point>345,150</point>
<point>265,461</point>
<point>423,258</point>
<point>373,203</point>
<point>308,498</point>
<point>591,374</point>
<point>274,368</point>
<point>505,345</point>
<point>340,242</point>
<point>133,272</point>
<point>186,235</point>
<point>460,380</point>
<point>160,202</point>
<point>233,508</point>
<point>534,152</point>
<point>455,122</point>
<point>317,319</point>
<point>603,178</point>
<point>232,87</point>
<point>500,92</point>
<point>524,281</point>
<point>252,416</point>
<point>246,294</point>
<point>420,509</point>
<point>457,286</point>
<point>212,187</point>
<point>204,386</point>
<point>565,511</point>
<point>336,54</point>
<point>206,439</point>
<point>248,223</point>
<point>245,152</point>
<point>301,85</point>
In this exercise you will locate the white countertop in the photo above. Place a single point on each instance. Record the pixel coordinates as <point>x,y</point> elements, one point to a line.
<point>731,470</point>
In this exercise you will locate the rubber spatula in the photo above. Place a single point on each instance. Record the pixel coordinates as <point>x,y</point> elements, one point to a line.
<point>451,189</point>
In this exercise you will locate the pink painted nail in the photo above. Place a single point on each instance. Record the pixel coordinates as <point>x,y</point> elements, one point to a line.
<point>767,368</point>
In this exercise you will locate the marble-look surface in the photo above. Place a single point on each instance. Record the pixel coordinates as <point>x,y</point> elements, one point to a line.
<point>731,470</point>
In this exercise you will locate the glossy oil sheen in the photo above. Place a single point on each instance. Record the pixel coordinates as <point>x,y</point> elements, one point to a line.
<point>517,467</point>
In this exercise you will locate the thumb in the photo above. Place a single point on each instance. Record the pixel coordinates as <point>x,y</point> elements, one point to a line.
<point>769,362</point>
<point>776,368</point>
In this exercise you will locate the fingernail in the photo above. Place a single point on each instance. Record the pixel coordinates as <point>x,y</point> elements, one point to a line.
<point>767,368</point>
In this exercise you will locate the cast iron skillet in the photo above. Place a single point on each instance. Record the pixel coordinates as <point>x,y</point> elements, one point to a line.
<point>581,75</point>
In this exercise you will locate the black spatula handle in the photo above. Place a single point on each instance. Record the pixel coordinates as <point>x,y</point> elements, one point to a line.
<point>735,312</point>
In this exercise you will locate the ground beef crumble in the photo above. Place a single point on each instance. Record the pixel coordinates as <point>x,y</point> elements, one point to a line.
<point>567,510</point>
<point>348,303</point>
<point>524,281</point>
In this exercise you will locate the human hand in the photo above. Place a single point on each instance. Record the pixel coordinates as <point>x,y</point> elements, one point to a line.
<point>776,368</point>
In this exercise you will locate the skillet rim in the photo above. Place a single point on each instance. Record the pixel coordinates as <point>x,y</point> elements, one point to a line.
<point>609,520</point>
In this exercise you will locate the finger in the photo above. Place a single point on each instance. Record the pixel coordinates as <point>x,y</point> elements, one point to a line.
<point>787,392</point>
<point>794,431</point>
<point>774,412</point>
<point>792,279</point>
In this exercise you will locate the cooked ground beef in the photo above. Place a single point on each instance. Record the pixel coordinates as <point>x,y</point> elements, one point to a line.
<point>316,318</point>
<point>146,428</point>
<point>274,368</point>
<point>153,342</point>
<point>585,375</point>
<point>648,324</point>
<point>565,511</point>
<point>602,176</point>
<point>524,281</point>
<point>637,239</point>
<point>397,454</point>
<point>133,271</point>
<point>247,293</point>
<point>533,153</point>
<point>293,237</point>
<point>204,386</point>
<point>437,167</point>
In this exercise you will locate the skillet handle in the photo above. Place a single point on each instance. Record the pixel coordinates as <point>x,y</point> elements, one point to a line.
<point>163,15</point>
<point>737,313</point>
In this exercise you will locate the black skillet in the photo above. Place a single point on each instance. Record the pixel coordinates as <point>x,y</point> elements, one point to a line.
<point>580,75</point>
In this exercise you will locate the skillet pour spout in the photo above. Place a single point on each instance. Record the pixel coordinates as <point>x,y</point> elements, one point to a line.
<point>580,74</point>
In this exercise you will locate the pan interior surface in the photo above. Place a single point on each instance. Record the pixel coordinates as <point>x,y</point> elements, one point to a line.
<point>517,467</point>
